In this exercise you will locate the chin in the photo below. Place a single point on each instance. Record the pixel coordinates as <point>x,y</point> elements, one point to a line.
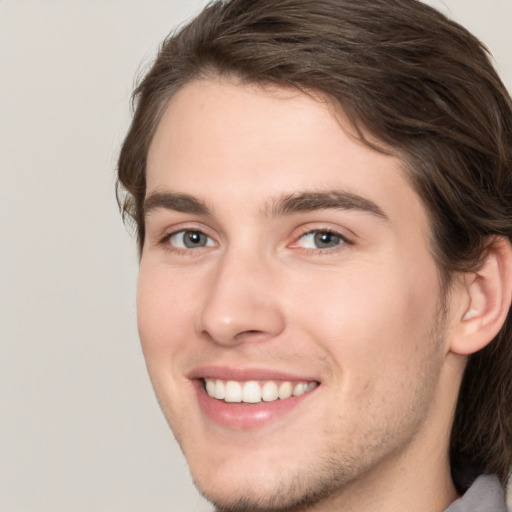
<point>252,484</point>
<point>254,495</point>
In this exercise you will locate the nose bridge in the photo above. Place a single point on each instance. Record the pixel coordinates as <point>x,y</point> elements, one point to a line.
<point>240,302</point>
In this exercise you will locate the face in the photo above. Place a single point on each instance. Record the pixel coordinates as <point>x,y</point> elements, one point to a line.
<point>288,304</point>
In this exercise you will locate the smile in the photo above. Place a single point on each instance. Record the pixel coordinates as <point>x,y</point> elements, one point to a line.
<point>253,392</point>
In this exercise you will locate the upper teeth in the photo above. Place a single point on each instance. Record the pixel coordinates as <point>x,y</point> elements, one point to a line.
<point>253,392</point>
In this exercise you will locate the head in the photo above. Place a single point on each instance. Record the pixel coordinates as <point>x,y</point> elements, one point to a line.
<point>417,92</point>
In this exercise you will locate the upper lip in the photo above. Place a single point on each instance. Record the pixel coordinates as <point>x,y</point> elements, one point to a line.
<point>246,374</point>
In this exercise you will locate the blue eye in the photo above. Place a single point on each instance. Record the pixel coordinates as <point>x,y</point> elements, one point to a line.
<point>190,239</point>
<point>320,240</point>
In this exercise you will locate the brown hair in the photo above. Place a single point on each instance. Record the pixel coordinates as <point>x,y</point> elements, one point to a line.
<point>416,81</point>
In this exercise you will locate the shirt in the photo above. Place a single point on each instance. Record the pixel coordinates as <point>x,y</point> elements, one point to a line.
<point>485,495</point>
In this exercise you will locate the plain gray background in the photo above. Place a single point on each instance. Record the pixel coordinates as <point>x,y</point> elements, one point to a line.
<point>80,429</point>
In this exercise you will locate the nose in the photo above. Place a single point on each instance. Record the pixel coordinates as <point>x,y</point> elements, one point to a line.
<point>241,303</point>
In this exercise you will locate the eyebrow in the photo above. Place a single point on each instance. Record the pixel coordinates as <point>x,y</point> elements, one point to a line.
<point>184,203</point>
<point>333,199</point>
<point>283,205</point>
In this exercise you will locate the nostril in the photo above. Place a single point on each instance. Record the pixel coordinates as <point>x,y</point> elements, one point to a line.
<point>250,335</point>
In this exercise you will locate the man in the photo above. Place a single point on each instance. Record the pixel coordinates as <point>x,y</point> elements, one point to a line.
<point>323,199</point>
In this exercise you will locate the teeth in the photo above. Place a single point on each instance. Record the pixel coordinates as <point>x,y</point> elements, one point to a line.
<point>269,391</point>
<point>220,390</point>
<point>285,390</point>
<point>252,392</point>
<point>233,391</point>
<point>300,388</point>
<point>210,388</point>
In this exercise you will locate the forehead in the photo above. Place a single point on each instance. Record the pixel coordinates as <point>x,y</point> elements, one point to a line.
<point>220,140</point>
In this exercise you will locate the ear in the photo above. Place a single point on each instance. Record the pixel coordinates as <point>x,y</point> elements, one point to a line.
<point>487,297</point>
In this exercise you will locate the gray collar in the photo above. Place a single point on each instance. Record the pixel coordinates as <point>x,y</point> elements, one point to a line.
<point>485,495</point>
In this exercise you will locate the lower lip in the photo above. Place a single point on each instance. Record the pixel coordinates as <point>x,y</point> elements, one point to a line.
<point>242,416</point>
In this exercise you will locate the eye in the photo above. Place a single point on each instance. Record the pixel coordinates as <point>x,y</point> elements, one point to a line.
<point>190,239</point>
<point>320,240</point>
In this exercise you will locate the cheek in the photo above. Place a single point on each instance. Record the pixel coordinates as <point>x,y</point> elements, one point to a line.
<point>164,317</point>
<point>376,329</point>
<point>376,324</point>
<point>164,310</point>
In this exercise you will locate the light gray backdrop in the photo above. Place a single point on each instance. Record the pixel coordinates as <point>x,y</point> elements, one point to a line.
<point>80,430</point>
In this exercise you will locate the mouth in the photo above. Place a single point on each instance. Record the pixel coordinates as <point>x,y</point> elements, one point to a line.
<point>255,392</point>
<point>250,399</point>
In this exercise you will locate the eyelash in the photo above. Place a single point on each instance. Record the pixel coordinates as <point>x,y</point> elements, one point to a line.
<point>165,241</point>
<point>323,231</point>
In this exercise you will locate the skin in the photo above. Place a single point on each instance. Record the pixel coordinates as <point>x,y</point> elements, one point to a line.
<point>361,317</point>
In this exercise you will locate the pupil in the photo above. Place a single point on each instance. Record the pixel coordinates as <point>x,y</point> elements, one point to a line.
<point>194,238</point>
<point>323,240</point>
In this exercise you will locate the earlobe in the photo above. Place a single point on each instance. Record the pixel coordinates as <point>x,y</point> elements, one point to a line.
<point>489,295</point>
